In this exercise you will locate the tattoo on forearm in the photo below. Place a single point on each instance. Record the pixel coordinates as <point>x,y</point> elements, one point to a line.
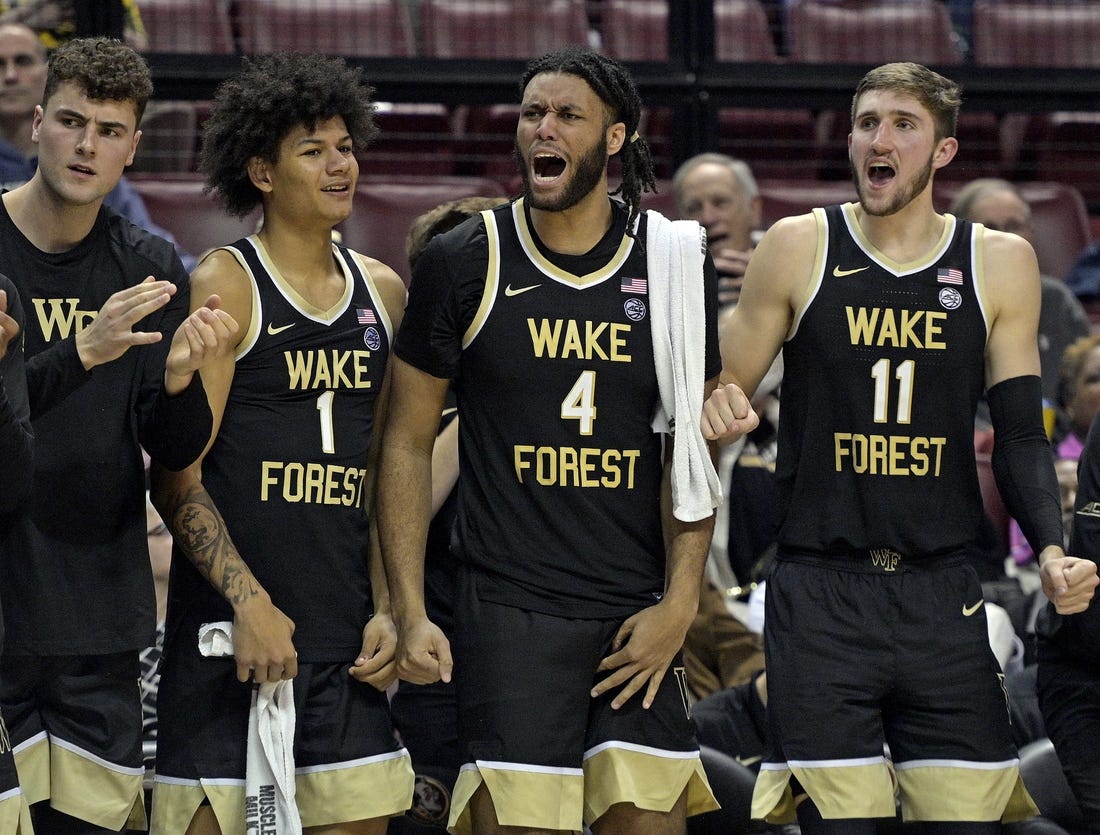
<point>200,532</point>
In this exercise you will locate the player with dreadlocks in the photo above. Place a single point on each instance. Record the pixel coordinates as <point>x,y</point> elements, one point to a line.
<point>578,574</point>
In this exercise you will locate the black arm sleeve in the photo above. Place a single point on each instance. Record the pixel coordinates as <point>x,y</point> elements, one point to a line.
<point>54,374</point>
<point>180,426</point>
<point>1022,461</point>
<point>16,438</point>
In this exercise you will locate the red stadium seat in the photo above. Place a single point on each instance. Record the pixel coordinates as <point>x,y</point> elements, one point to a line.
<point>500,28</point>
<point>188,26</point>
<point>1065,150</point>
<point>872,32</point>
<point>178,204</point>
<point>353,28</point>
<point>169,137</point>
<point>741,31</point>
<point>1054,33</point>
<point>385,207</point>
<point>414,139</point>
<point>637,30</point>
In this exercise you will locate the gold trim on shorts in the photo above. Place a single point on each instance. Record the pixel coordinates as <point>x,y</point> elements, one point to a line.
<point>80,784</point>
<point>15,813</point>
<point>533,796</point>
<point>649,778</point>
<point>957,790</point>
<point>544,797</point>
<point>931,790</point>
<point>369,787</point>
<point>856,788</point>
<point>32,762</point>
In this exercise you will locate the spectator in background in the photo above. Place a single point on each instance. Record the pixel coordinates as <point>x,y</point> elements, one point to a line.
<point>720,193</point>
<point>23,65</point>
<point>1078,396</point>
<point>62,20</point>
<point>998,204</point>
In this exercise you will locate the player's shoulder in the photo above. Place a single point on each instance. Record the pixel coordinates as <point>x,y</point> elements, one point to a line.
<point>143,247</point>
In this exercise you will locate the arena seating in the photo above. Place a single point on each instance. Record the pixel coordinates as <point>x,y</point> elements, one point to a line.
<point>356,28</point>
<point>872,31</point>
<point>188,26</point>
<point>500,28</point>
<point>1055,33</point>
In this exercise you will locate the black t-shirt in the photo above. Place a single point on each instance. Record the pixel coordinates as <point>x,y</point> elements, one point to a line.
<point>76,574</point>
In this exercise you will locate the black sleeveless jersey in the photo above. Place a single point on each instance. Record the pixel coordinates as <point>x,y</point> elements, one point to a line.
<point>883,370</point>
<point>552,357</point>
<point>288,466</point>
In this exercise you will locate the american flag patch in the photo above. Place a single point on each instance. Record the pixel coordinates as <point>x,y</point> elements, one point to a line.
<point>635,285</point>
<point>949,275</point>
<point>366,316</point>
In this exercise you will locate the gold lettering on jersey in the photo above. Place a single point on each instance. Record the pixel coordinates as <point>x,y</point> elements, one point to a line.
<point>888,454</point>
<point>311,483</point>
<point>575,467</point>
<point>328,369</point>
<point>568,338</point>
<point>897,328</point>
<point>885,558</point>
<point>63,315</point>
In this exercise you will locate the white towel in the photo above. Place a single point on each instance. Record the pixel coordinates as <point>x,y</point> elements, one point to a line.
<point>674,256</point>
<point>269,766</point>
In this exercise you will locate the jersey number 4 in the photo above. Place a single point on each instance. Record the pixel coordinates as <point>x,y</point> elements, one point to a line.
<point>580,403</point>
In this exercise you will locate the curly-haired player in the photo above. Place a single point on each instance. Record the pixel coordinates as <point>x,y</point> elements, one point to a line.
<point>271,526</point>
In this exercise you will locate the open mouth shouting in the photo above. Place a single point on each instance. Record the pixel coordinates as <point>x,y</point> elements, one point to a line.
<point>880,173</point>
<point>546,168</point>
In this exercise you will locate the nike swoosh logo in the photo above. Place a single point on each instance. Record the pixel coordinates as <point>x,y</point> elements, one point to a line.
<point>272,330</point>
<point>448,411</point>
<point>747,761</point>
<point>969,610</point>
<point>839,273</point>
<point>508,291</point>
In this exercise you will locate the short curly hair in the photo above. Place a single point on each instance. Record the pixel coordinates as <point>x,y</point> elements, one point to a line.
<point>105,69</point>
<point>255,110</point>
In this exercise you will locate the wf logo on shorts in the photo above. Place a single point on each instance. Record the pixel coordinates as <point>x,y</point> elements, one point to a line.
<point>886,558</point>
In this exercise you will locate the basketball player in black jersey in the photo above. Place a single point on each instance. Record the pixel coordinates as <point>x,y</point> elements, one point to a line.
<point>272,524</point>
<point>576,582</point>
<point>111,362</point>
<point>16,449</point>
<point>892,319</point>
